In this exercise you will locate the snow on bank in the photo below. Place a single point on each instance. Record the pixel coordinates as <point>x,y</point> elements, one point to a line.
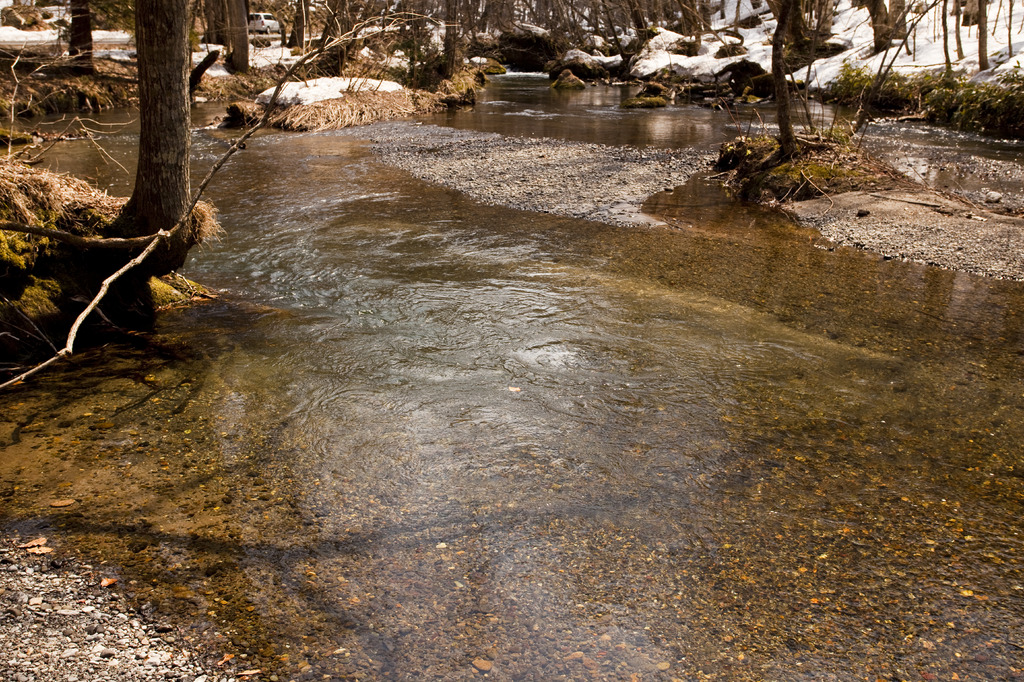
<point>320,89</point>
<point>852,30</point>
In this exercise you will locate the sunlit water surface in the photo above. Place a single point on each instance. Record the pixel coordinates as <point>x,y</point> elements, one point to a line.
<point>421,438</point>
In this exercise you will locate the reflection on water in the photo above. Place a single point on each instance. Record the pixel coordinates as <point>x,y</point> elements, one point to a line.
<point>422,438</point>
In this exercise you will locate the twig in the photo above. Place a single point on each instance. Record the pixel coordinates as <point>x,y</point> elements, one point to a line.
<point>74,239</point>
<point>831,204</point>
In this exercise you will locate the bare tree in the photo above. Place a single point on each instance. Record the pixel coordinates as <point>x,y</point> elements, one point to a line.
<point>238,35</point>
<point>162,194</point>
<point>983,35</point>
<point>787,137</point>
<point>80,38</point>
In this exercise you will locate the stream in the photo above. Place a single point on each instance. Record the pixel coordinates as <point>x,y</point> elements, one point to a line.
<point>418,437</point>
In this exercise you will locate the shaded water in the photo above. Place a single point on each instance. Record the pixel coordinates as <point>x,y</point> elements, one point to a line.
<point>418,432</point>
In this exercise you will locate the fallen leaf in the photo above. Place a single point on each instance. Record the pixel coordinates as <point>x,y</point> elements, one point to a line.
<point>33,543</point>
<point>62,503</point>
<point>107,582</point>
<point>39,550</point>
<point>514,389</point>
<point>227,657</point>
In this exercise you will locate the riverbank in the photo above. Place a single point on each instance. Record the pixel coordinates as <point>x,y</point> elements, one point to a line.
<point>610,184</point>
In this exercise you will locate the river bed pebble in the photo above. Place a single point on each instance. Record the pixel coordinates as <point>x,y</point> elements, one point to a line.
<point>58,622</point>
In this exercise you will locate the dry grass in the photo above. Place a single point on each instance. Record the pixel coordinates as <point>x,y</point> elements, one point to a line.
<point>203,223</point>
<point>356,108</point>
<point>33,196</point>
<point>28,194</point>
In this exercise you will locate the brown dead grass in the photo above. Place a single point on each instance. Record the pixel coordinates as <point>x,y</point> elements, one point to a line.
<point>30,195</point>
<point>356,108</point>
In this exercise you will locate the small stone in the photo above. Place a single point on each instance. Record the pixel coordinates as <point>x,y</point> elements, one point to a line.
<point>993,197</point>
<point>863,212</point>
<point>664,665</point>
<point>482,664</point>
<point>108,653</point>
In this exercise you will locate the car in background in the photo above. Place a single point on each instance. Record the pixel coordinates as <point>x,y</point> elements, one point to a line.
<point>263,22</point>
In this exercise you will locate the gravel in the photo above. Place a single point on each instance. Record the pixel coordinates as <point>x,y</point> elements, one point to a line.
<point>578,180</point>
<point>969,232</point>
<point>58,623</point>
<point>921,226</point>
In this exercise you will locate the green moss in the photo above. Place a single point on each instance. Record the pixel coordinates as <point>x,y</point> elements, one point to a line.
<point>822,166</point>
<point>644,103</point>
<point>568,81</point>
<point>40,298</point>
<point>12,254</point>
<point>163,294</point>
<point>494,68</point>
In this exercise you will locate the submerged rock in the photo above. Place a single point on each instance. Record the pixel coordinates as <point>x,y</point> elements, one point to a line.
<point>568,81</point>
<point>644,103</point>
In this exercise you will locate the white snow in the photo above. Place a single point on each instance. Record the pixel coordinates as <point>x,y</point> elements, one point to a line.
<point>852,29</point>
<point>320,89</point>
<point>594,59</point>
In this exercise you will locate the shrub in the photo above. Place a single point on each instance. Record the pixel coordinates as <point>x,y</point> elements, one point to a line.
<point>980,107</point>
<point>898,92</point>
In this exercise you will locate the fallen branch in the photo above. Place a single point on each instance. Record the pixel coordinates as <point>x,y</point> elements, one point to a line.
<point>76,240</point>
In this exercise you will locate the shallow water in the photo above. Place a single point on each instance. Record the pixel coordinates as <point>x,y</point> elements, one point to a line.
<point>417,432</point>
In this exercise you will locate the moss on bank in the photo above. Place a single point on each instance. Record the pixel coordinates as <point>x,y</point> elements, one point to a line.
<point>44,282</point>
<point>821,167</point>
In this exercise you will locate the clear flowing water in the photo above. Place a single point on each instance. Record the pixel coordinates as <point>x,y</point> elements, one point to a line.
<point>422,438</point>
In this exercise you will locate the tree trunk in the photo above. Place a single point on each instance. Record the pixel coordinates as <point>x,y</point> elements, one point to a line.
<point>80,39</point>
<point>238,36</point>
<point>897,19</point>
<point>880,24</point>
<point>945,38</point>
<point>162,193</point>
<point>216,15</point>
<point>451,38</point>
<point>983,35</point>
<point>956,26</point>
<point>787,138</point>
<point>301,22</point>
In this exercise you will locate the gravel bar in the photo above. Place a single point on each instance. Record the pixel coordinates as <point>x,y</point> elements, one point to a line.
<point>578,180</point>
<point>609,184</point>
<point>922,226</point>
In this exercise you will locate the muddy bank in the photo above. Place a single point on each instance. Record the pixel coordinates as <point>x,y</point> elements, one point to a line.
<point>589,181</point>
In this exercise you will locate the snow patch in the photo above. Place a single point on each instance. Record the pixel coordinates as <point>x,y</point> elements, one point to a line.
<point>320,89</point>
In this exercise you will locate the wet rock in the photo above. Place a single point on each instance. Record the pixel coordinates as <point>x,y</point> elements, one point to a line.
<point>482,664</point>
<point>568,81</point>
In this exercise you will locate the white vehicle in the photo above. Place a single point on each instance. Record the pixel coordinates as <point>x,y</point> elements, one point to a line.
<point>262,22</point>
